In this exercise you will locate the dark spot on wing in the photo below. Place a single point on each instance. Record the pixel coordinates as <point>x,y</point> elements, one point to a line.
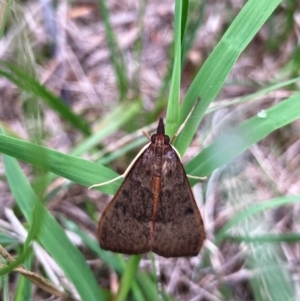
<point>189,211</point>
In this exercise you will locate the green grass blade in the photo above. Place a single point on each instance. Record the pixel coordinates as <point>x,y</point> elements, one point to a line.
<point>5,13</point>
<point>139,142</point>
<point>21,293</point>
<point>262,93</point>
<point>27,83</point>
<point>196,18</point>
<point>243,136</point>
<point>111,259</point>
<point>184,20</point>
<point>174,96</point>
<point>120,115</point>
<point>148,285</point>
<point>6,239</point>
<point>265,238</point>
<point>116,262</point>
<point>255,209</point>
<point>75,169</point>
<point>51,235</point>
<point>5,290</point>
<point>273,279</point>
<point>36,224</point>
<point>128,277</point>
<point>213,73</point>
<point>116,54</point>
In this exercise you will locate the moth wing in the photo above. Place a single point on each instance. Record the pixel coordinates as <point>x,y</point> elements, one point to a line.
<point>179,229</point>
<point>125,224</point>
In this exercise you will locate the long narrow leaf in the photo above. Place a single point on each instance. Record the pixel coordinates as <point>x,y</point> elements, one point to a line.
<point>213,73</point>
<point>243,136</point>
<point>75,169</point>
<point>51,235</point>
<point>173,102</point>
<point>31,85</point>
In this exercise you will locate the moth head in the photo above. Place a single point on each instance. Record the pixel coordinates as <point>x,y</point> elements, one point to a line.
<point>160,139</point>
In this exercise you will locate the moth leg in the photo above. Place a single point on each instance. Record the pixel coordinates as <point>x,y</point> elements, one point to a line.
<point>197,178</point>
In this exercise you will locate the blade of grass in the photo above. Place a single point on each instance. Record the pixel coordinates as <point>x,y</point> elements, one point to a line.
<point>6,11</point>
<point>196,17</point>
<point>128,277</point>
<point>31,85</point>
<point>120,115</point>
<point>183,20</point>
<point>148,285</point>
<point>273,279</point>
<point>267,238</point>
<point>125,149</point>
<point>113,260</point>
<point>75,169</point>
<point>24,286</point>
<point>255,209</point>
<point>51,235</point>
<point>5,290</point>
<point>37,215</point>
<point>262,93</point>
<point>213,73</point>
<point>174,96</point>
<point>138,48</point>
<point>6,239</point>
<point>243,136</point>
<point>116,53</point>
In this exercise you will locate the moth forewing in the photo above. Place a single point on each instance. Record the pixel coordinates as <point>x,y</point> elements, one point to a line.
<point>125,223</point>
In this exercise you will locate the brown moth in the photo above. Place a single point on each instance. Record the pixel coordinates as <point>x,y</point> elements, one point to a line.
<point>154,209</point>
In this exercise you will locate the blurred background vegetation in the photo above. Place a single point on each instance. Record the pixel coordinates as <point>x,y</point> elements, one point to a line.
<point>80,80</point>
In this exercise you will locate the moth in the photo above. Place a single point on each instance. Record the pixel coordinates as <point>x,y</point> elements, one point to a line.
<point>154,208</point>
